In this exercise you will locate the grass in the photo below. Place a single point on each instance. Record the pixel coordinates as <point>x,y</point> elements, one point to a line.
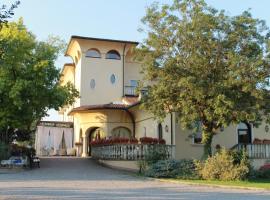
<point>252,184</point>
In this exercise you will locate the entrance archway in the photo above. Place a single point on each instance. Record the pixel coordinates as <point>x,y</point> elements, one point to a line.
<point>93,133</point>
<point>244,133</point>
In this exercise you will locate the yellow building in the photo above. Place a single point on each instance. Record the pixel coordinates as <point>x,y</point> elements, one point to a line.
<point>106,75</point>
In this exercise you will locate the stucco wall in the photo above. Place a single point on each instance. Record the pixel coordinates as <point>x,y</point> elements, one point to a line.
<point>147,125</point>
<point>185,148</point>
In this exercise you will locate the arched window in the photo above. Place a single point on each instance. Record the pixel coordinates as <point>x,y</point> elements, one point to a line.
<point>113,54</point>
<point>160,134</point>
<point>93,53</point>
<point>244,133</point>
<point>121,132</point>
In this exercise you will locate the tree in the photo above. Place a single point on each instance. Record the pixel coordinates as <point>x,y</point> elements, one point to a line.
<point>6,13</point>
<point>205,66</point>
<point>29,80</point>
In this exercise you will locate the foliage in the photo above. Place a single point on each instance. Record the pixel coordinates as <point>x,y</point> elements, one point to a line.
<point>114,140</point>
<point>29,80</point>
<point>155,153</point>
<point>6,13</point>
<point>184,169</point>
<point>4,151</point>
<point>205,66</point>
<point>150,140</point>
<point>222,166</point>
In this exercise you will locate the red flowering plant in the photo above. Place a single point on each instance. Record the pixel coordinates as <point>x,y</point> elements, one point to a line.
<point>150,140</point>
<point>114,140</point>
<point>161,141</point>
<point>133,140</point>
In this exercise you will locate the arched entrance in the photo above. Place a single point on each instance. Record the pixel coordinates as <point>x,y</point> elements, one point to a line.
<point>244,133</point>
<point>93,133</point>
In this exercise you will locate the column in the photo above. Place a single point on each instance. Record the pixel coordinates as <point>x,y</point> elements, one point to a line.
<point>84,153</point>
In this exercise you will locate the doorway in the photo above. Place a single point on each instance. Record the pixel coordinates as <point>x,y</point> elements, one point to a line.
<point>244,133</point>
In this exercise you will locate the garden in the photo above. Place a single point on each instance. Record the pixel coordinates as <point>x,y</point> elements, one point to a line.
<point>226,167</point>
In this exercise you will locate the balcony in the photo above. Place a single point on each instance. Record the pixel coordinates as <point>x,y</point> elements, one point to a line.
<point>130,152</point>
<point>255,151</point>
<point>131,91</point>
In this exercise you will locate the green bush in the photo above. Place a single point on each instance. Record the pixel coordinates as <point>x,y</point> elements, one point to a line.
<point>184,169</point>
<point>155,153</point>
<point>225,166</point>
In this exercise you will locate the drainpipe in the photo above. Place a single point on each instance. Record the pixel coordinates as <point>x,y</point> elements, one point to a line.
<point>123,60</point>
<point>171,128</point>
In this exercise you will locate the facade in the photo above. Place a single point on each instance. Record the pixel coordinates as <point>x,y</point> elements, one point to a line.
<point>106,75</point>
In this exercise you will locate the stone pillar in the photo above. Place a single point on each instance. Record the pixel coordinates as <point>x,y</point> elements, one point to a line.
<point>84,147</point>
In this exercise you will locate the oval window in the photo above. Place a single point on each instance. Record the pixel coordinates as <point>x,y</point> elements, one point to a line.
<point>113,79</point>
<point>92,83</point>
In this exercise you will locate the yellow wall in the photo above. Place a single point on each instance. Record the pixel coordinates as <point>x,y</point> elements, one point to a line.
<point>185,148</point>
<point>147,125</point>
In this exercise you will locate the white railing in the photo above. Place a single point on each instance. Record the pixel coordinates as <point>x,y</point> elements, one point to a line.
<point>256,151</point>
<point>130,151</point>
<point>131,91</point>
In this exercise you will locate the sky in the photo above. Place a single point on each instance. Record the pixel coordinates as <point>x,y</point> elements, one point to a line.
<point>117,19</point>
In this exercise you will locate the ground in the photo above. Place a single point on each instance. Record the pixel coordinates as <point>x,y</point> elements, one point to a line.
<point>79,178</point>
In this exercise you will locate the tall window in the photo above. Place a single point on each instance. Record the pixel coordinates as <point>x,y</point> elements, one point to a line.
<point>160,131</point>
<point>244,133</point>
<point>93,53</point>
<point>113,54</point>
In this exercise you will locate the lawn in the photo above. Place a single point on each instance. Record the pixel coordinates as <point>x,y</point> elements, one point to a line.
<point>256,183</point>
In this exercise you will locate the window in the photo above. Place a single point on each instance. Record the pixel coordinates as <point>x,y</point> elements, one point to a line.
<point>121,132</point>
<point>113,54</point>
<point>160,134</point>
<point>92,83</point>
<point>197,135</point>
<point>93,53</point>
<point>133,83</point>
<point>244,133</point>
<point>113,79</point>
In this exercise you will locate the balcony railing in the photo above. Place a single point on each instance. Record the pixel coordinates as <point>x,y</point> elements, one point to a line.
<point>255,151</point>
<point>131,91</point>
<point>130,151</point>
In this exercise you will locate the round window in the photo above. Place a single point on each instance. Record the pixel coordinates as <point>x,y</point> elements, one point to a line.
<point>92,83</point>
<point>113,79</point>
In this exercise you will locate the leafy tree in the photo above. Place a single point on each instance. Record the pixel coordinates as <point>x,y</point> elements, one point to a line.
<point>29,80</point>
<point>6,13</point>
<point>205,66</point>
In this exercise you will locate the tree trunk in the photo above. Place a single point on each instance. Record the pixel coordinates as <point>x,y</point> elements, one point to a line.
<point>207,141</point>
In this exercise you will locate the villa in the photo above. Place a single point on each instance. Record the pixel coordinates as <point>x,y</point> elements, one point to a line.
<point>106,74</point>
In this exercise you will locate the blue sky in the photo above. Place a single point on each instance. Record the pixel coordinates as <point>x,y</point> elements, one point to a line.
<point>118,19</point>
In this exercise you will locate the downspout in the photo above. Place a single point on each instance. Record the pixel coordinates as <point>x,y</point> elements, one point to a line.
<point>171,128</point>
<point>123,60</point>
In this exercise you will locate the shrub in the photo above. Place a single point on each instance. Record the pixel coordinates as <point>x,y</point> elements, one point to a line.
<point>263,172</point>
<point>155,153</point>
<point>184,169</point>
<point>223,166</point>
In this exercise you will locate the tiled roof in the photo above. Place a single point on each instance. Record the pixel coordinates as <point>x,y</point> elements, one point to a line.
<point>130,100</point>
<point>109,106</point>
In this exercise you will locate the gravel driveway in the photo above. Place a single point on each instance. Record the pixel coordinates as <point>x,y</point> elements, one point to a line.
<point>78,178</point>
